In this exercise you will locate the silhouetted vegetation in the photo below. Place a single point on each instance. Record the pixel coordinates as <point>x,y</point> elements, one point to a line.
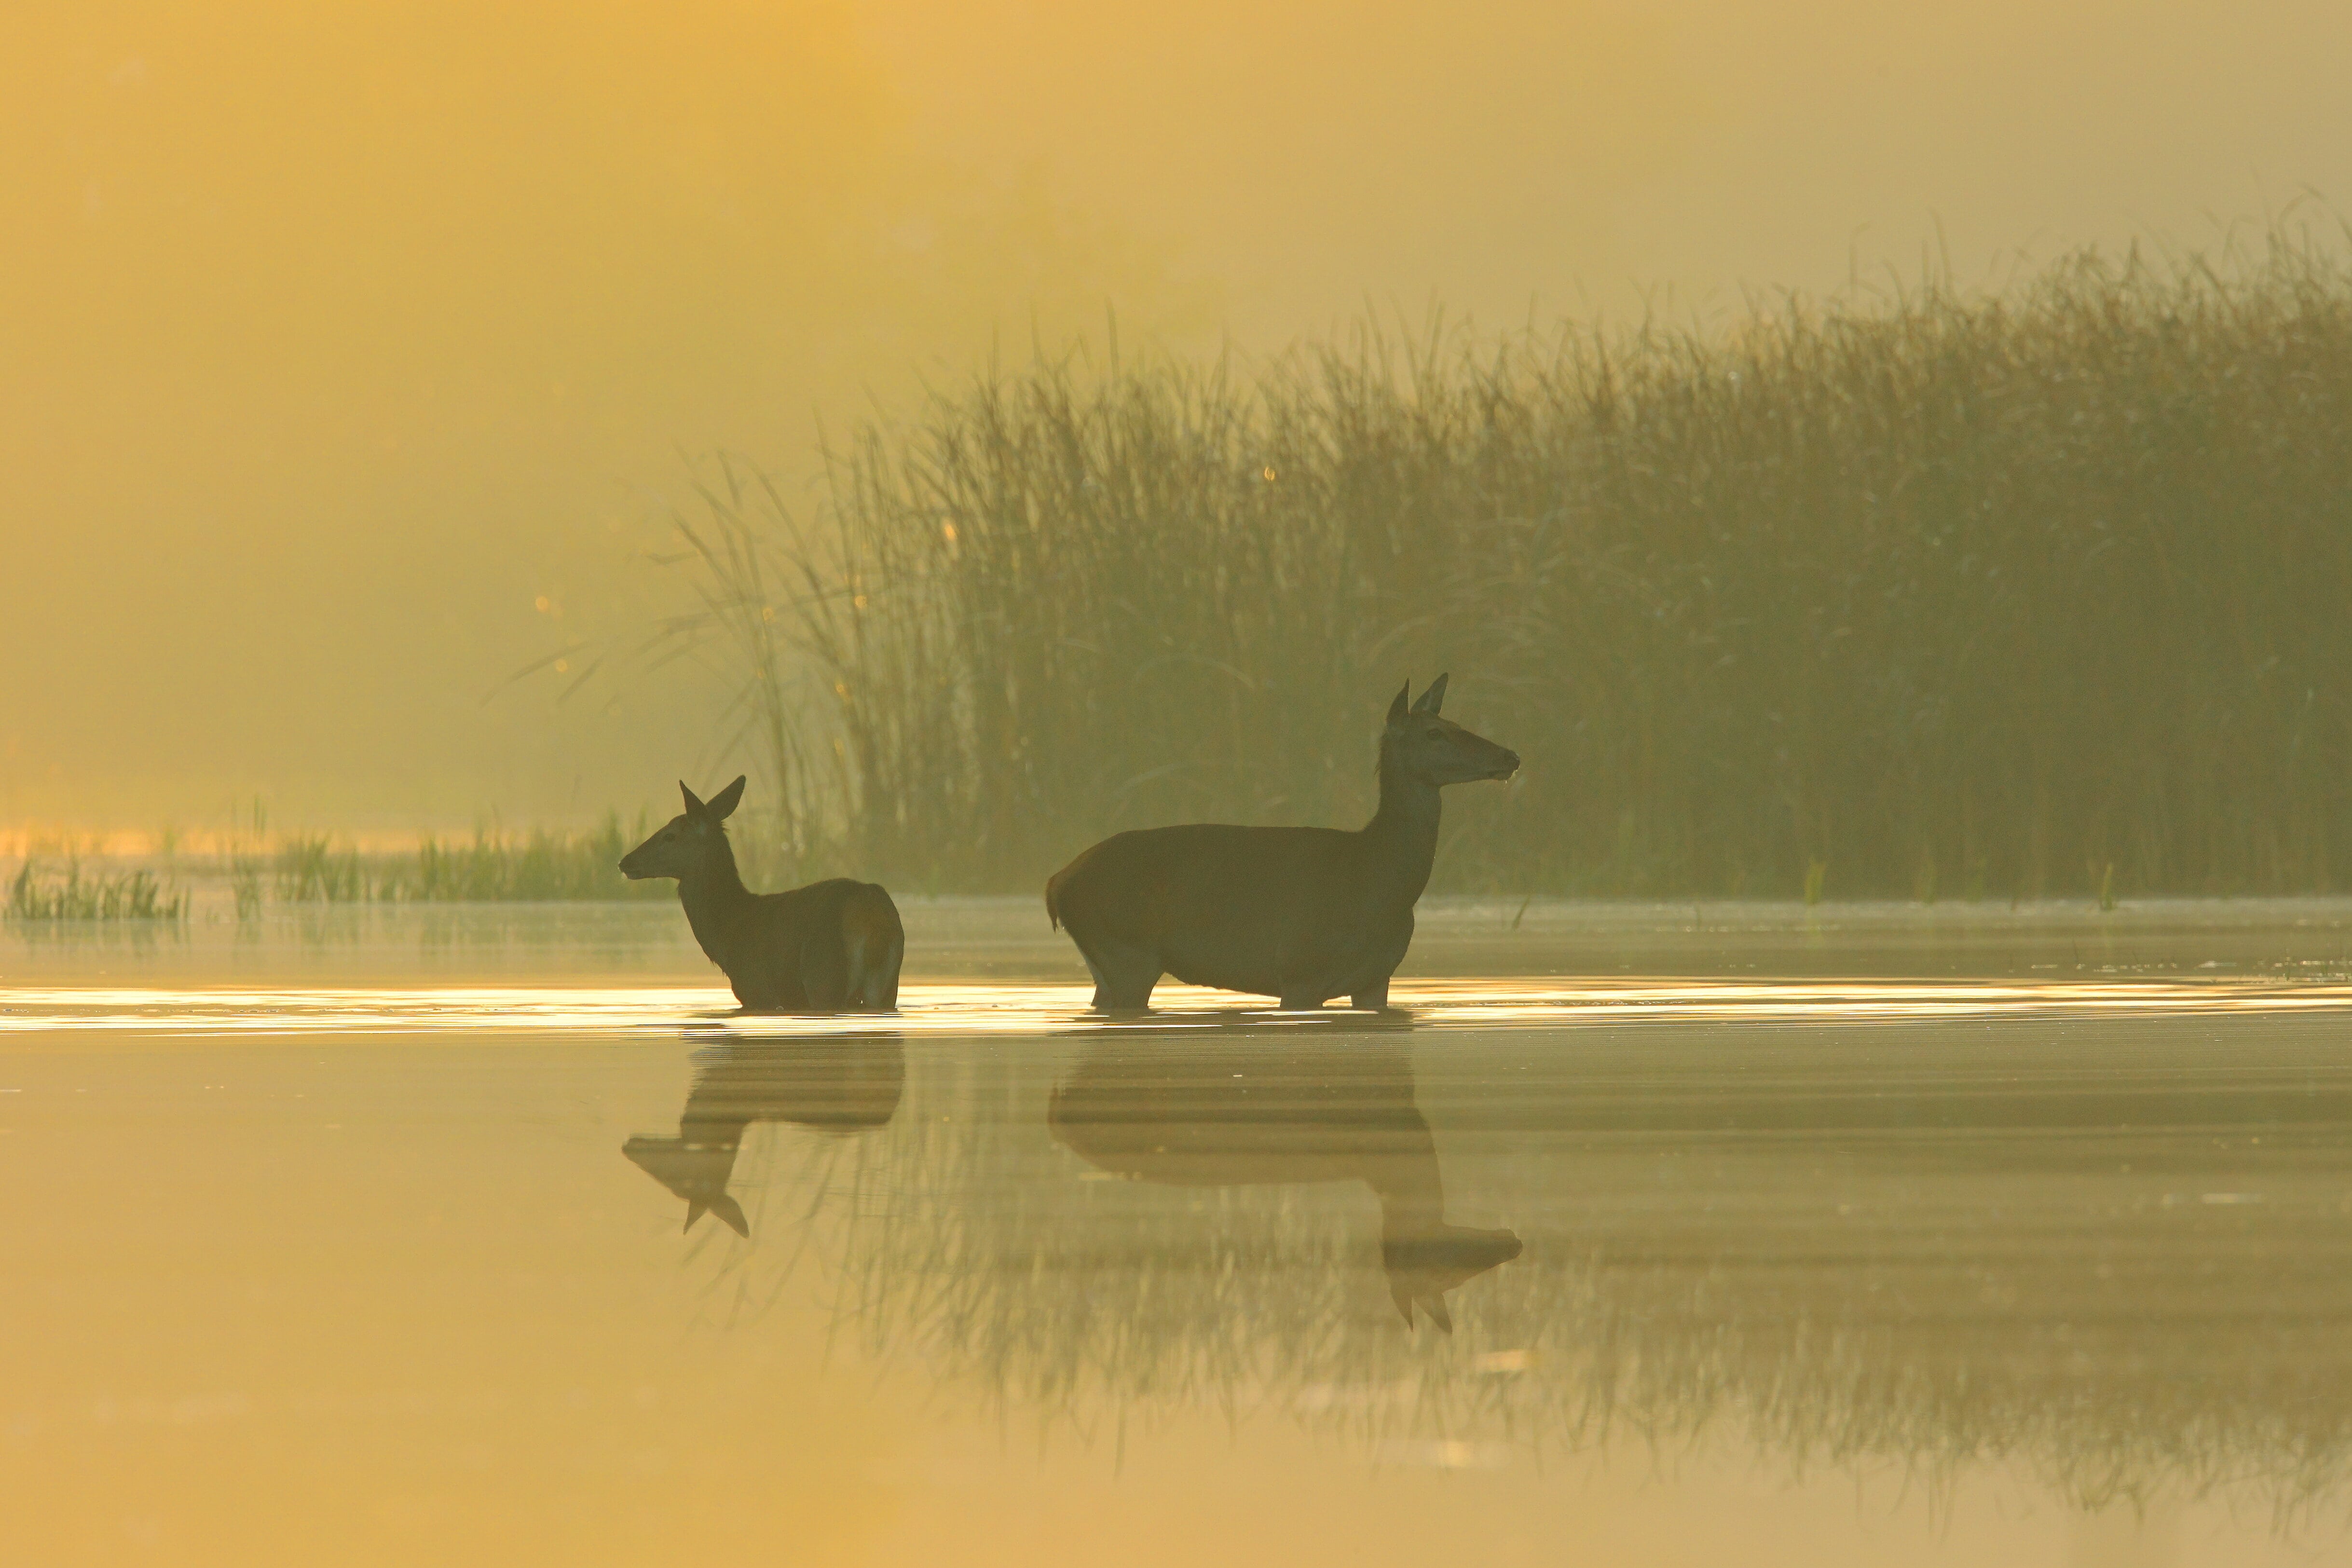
<point>2037,592</point>
<point>100,895</point>
<point>541,865</point>
<point>253,868</point>
<point>311,870</point>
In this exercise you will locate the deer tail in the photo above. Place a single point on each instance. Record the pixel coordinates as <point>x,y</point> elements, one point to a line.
<point>1054,901</point>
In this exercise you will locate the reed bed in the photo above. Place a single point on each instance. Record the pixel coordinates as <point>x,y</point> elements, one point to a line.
<point>262,868</point>
<point>538,866</point>
<point>310,869</point>
<point>132,895</point>
<point>541,865</point>
<point>1935,593</point>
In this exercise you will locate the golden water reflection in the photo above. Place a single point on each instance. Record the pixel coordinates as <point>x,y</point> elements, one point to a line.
<point>1026,1010</point>
<point>1711,1247</point>
<point>2121,1257</point>
<point>1161,1111</point>
<point>842,1087</point>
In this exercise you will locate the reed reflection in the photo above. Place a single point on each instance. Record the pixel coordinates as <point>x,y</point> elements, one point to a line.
<point>2114,1255</point>
<point>1272,1114</point>
<point>839,1085</point>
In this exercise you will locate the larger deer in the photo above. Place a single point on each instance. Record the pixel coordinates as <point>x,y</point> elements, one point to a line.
<point>1302,914</point>
<point>832,946</point>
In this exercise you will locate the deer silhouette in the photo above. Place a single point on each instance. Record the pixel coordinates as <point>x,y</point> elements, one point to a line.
<point>832,946</point>
<point>1302,914</point>
<point>1202,1114</point>
<point>842,1086</point>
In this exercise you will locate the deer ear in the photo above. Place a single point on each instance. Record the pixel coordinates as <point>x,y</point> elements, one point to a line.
<point>1434,698</point>
<point>722,805</point>
<point>1397,708</point>
<point>694,806</point>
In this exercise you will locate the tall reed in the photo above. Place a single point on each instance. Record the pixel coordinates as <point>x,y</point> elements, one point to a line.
<point>2043,587</point>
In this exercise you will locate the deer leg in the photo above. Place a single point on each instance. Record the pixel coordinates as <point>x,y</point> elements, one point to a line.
<point>825,974</point>
<point>1328,969</point>
<point>1123,974</point>
<point>758,996</point>
<point>1372,991</point>
<point>873,944</point>
<point>1306,993</point>
<point>874,974</point>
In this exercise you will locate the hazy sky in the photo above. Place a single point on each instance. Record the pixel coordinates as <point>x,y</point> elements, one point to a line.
<point>337,337</point>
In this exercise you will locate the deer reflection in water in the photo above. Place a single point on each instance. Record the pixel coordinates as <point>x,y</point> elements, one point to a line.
<point>2123,1284</point>
<point>1248,1112</point>
<point>843,1086</point>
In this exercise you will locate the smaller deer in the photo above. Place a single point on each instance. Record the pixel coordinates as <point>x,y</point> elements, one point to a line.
<point>829,948</point>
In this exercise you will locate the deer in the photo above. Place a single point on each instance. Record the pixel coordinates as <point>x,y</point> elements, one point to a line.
<point>1301,913</point>
<point>1182,1116</point>
<point>832,946</point>
<point>837,1086</point>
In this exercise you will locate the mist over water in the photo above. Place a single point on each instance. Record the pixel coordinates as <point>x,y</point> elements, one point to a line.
<point>1888,459</point>
<point>354,348</point>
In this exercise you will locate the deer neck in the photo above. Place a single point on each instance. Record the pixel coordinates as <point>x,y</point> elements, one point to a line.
<point>1402,834</point>
<point>715,899</point>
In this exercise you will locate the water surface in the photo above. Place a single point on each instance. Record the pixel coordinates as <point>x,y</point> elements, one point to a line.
<point>1637,1235</point>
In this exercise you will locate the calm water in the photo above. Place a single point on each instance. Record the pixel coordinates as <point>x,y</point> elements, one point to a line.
<point>1644,1235</point>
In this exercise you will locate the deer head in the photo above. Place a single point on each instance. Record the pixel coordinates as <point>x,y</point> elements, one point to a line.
<point>689,842</point>
<point>1434,751</point>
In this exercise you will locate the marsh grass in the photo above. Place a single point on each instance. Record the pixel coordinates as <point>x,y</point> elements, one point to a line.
<point>259,868</point>
<point>311,870</point>
<point>132,895</point>
<point>246,885</point>
<point>2031,584</point>
<point>542,865</point>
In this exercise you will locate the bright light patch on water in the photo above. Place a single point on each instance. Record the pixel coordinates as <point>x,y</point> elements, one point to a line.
<point>1029,1009</point>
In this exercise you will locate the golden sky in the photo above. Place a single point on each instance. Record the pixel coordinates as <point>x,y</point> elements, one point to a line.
<point>338,336</point>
